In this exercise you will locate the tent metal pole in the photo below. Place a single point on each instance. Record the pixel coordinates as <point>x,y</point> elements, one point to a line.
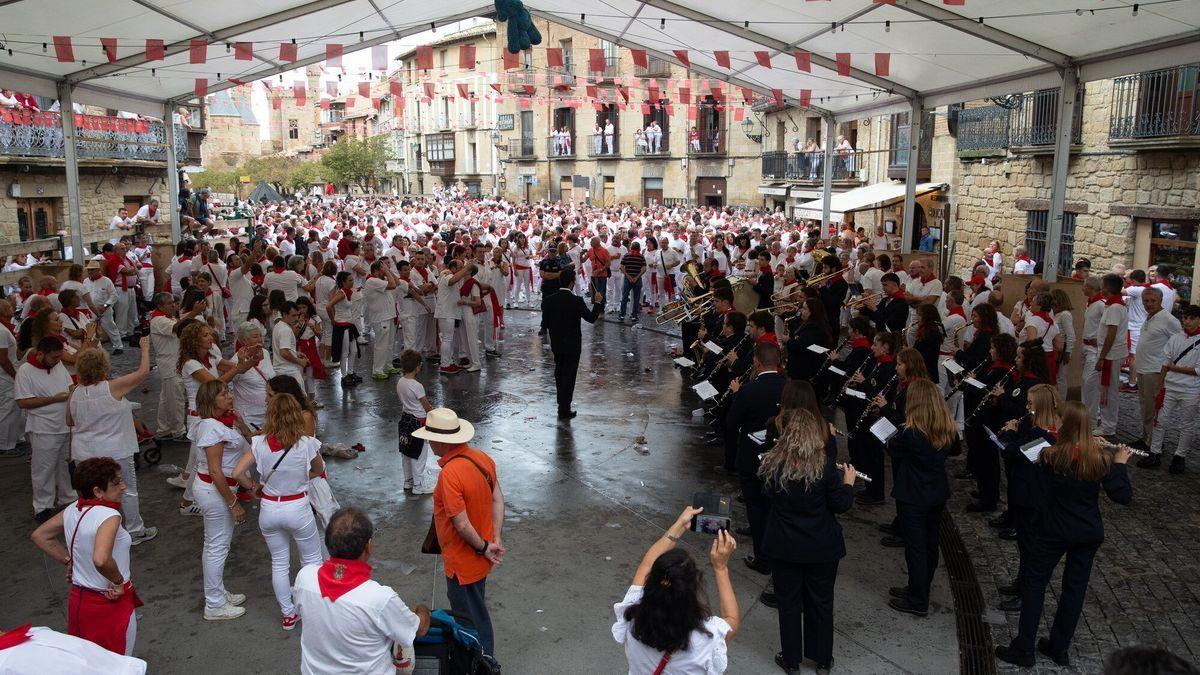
<point>1062,157</point>
<point>66,110</point>
<point>172,172</point>
<point>827,178</point>
<point>915,117</point>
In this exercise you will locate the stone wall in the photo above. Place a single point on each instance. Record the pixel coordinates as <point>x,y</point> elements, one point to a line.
<point>101,194</point>
<point>229,141</point>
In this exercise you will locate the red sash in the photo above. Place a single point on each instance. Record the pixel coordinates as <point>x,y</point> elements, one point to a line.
<point>309,349</point>
<point>95,618</point>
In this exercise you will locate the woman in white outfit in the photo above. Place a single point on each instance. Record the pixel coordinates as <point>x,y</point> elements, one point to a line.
<point>221,438</point>
<point>250,388</point>
<point>323,287</point>
<point>287,460</point>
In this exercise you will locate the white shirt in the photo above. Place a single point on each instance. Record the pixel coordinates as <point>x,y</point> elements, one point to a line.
<point>872,280</point>
<point>287,281</point>
<point>103,425</point>
<point>380,303</point>
<point>34,382</point>
<point>102,290</point>
<point>706,654</point>
<point>1115,315</point>
<point>250,392</point>
<point>411,391</point>
<point>48,651</point>
<point>8,341</point>
<point>1045,331</point>
<point>1169,295</point>
<point>211,432</point>
<point>355,634</point>
<point>165,345</point>
<point>1156,331</point>
<point>144,214</point>
<point>447,297</point>
<point>1137,310</point>
<point>82,528</point>
<point>1024,267</point>
<point>1091,321</point>
<point>241,292</point>
<point>291,476</point>
<point>283,337</point>
<point>1180,382</point>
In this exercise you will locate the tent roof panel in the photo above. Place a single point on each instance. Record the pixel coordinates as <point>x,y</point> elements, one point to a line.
<point>868,196</point>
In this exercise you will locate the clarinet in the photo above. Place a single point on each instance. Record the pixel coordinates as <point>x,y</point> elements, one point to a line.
<point>829,356</point>
<point>848,378</point>
<point>722,362</point>
<point>741,380</point>
<point>988,397</point>
<point>871,406</point>
<point>961,381</point>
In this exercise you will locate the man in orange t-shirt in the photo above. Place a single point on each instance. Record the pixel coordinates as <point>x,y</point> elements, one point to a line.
<point>468,514</point>
<point>601,259</point>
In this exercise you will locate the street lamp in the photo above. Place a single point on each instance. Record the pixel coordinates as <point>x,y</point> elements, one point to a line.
<point>748,128</point>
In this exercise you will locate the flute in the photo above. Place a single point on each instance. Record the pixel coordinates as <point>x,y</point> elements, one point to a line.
<point>1117,446</point>
<point>865,477</point>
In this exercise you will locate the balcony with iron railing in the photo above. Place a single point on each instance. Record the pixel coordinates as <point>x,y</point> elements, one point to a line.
<point>809,167</point>
<point>522,147</point>
<point>604,146</point>
<point>468,121</point>
<point>1023,123</point>
<point>25,133</point>
<point>561,146</point>
<point>1157,108</point>
<point>707,142</point>
<point>652,145</point>
<point>518,80</point>
<point>612,67</point>
<point>655,67</point>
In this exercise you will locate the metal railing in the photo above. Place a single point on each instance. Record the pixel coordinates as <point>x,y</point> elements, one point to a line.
<point>39,134</point>
<point>983,128</point>
<point>1156,104</point>
<point>560,146</point>
<point>810,166</point>
<point>603,145</point>
<point>707,142</point>
<point>1024,121</point>
<point>520,147</point>
<point>655,67</point>
<point>652,145</point>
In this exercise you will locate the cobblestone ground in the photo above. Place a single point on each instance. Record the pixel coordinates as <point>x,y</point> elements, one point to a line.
<point>1145,586</point>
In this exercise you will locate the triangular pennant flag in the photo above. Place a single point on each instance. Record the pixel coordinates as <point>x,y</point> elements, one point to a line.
<point>640,59</point>
<point>462,90</point>
<point>277,104</point>
<point>429,89</point>
<point>685,94</point>
<point>645,108</point>
<point>529,89</point>
<point>590,90</point>
<point>526,104</point>
<point>200,87</point>
<point>376,102</point>
<point>350,101</point>
<point>424,57</point>
<point>739,114</point>
<point>155,50</point>
<point>198,51</point>
<point>379,57</point>
<point>884,2</point>
<point>748,94</point>
<point>239,82</point>
<point>324,104</point>
<point>883,63</point>
<point>554,57</point>
<point>805,98</point>
<point>691,113</point>
<point>722,57</point>
<point>682,55</point>
<point>243,51</point>
<point>510,61</point>
<point>396,88</point>
<point>109,45</point>
<point>596,60</point>
<point>333,55</point>
<point>364,89</point>
<point>63,51</point>
<point>843,64</point>
<point>803,61</point>
<point>496,86</point>
<point>763,58</point>
<point>299,93</point>
<point>287,52</point>
<point>466,57</point>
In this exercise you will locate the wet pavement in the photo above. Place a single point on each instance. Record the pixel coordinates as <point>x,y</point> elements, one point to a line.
<point>584,501</point>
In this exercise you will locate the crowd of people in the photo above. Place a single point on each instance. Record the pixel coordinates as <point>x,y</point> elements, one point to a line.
<point>844,346</point>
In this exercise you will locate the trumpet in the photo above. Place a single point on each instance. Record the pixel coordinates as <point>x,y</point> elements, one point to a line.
<point>782,308</point>
<point>822,278</point>
<point>855,302</point>
<point>685,310</point>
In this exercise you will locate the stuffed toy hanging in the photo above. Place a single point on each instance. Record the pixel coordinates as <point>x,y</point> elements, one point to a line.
<point>521,32</point>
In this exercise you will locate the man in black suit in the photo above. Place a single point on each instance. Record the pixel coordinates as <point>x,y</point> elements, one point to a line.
<point>752,406</point>
<point>890,314</point>
<point>833,293</point>
<point>563,310</point>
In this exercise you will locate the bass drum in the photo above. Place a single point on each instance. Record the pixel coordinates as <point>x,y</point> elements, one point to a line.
<point>745,298</point>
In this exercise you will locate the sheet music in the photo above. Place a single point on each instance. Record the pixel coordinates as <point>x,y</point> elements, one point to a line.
<point>883,429</point>
<point>759,437</point>
<point>994,438</point>
<point>1033,449</point>
<point>818,349</point>
<point>856,394</point>
<point>975,383</point>
<point>685,362</point>
<point>705,390</point>
<point>952,367</point>
<point>837,371</point>
<point>713,347</point>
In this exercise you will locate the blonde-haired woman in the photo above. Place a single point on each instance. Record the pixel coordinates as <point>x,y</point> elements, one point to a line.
<point>221,438</point>
<point>802,538</point>
<point>920,488</point>
<point>287,460</point>
<point>1074,469</point>
<point>101,422</point>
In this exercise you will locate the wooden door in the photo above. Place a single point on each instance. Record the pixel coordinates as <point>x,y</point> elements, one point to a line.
<point>37,218</point>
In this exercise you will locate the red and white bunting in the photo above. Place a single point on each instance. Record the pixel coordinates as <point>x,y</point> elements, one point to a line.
<point>197,51</point>
<point>299,93</point>
<point>243,51</point>
<point>640,58</point>
<point>63,51</point>
<point>379,57</point>
<point>396,88</point>
<point>554,57</point>
<point>466,57</point>
<point>109,45</point>
<point>333,55</point>
<point>287,52</point>
<point>763,58</point>
<point>424,54</point>
<point>883,63</point>
<point>364,89</point>
<point>155,50</point>
<point>843,64</point>
<point>200,87</point>
<point>803,61</point>
<point>682,55</point>
<point>722,57</point>
<point>595,60</point>
<point>805,98</point>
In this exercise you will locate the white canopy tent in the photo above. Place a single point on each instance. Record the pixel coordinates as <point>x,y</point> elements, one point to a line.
<point>941,51</point>
<point>874,196</point>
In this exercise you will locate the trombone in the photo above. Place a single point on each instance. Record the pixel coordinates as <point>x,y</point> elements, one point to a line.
<point>812,281</point>
<point>782,308</point>
<point>855,302</point>
<point>685,310</point>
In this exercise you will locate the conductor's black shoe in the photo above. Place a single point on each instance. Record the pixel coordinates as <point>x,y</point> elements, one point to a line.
<point>744,531</point>
<point>567,415</point>
<point>1010,605</point>
<point>1178,465</point>
<point>1009,589</point>
<point>1008,534</point>
<point>1060,658</point>
<point>1007,655</point>
<point>782,664</point>
<point>898,591</point>
<point>979,507</point>
<point>769,599</point>
<point>1152,462</point>
<point>888,528</point>
<point>891,541</point>
<point>907,606</point>
<point>757,565</point>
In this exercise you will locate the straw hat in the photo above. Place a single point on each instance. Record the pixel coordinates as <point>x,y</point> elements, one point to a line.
<point>444,426</point>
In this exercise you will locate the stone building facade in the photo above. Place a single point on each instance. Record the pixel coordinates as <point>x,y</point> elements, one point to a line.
<point>233,129</point>
<point>294,127</point>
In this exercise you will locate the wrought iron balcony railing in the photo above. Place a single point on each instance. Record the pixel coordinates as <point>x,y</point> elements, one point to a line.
<point>603,145</point>
<point>561,145</point>
<point>810,166</point>
<point>39,134</point>
<point>1156,104</point>
<point>521,147</point>
<point>707,142</point>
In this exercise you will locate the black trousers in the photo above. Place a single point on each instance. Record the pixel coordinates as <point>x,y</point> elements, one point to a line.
<point>1024,519</point>
<point>987,464</point>
<point>919,529</point>
<point>1043,558</point>
<point>548,287</point>
<point>566,367</point>
<point>757,508</point>
<point>805,592</point>
<point>867,455</point>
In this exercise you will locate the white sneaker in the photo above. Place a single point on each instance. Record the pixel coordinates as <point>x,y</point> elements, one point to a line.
<point>146,535</point>
<point>474,369</point>
<point>223,613</point>
<point>423,489</point>
<point>234,599</point>
<point>190,510</point>
<point>178,481</point>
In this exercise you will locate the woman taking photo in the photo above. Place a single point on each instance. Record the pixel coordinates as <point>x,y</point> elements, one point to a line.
<point>102,425</point>
<point>250,388</point>
<point>664,620</point>
<point>221,438</point>
<point>920,488</point>
<point>1074,469</point>
<point>803,539</point>
<point>287,459</point>
<point>101,602</point>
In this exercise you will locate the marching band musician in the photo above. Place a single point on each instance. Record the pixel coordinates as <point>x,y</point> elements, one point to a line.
<point>833,293</point>
<point>927,335</point>
<point>813,329</point>
<point>860,333</point>
<point>983,459</point>
<point>722,304</point>
<point>1031,370</point>
<point>865,450</point>
<point>734,343</point>
<point>890,313</point>
<point>910,367</point>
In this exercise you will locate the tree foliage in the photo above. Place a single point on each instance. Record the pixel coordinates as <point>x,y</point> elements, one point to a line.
<point>357,161</point>
<point>287,175</point>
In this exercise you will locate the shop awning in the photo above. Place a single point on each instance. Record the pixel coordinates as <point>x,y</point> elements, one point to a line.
<point>874,196</point>
<point>774,190</point>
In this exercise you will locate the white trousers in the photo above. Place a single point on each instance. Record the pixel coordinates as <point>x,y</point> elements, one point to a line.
<point>125,311</point>
<point>146,280</point>
<point>1110,401</point>
<point>487,323</point>
<point>293,372</point>
<point>468,336</point>
<point>171,404</point>
<point>12,418</point>
<point>48,455</point>
<point>1090,393</point>
<point>1178,410</point>
<point>381,345</point>
<point>414,469</point>
<point>446,334</point>
<point>109,325</point>
<point>129,499</point>
<point>522,280</point>
<point>282,522</point>
<point>218,534</point>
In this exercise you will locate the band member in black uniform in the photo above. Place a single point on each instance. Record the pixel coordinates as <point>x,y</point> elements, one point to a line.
<point>861,334</point>
<point>890,313</point>
<point>919,451</point>
<point>865,449</point>
<point>563,312</point>
<point>975,358</point>
<point>732,340</point>
<point>833,293</point>
<point>1031,370</point>
<point>764,281</point>
<point>910,366</point>
<point>1024,489</point>
<point>804,491</point>
<point>810,328</point>
<point>711,322</point>
<point>752,406</point>
<point>690,328</point>
<point>983,410</point>
<point>1074,469</point>
<point>927,336</point>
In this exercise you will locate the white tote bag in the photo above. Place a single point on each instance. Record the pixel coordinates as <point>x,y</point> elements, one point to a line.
<point>324,504</point>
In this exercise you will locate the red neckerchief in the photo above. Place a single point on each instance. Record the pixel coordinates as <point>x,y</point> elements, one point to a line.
<point>1166,283</point>
<point>927,279</point>
<point>35,361</point>
<point>47,292</point>
<point>152,210</point>
<point>157,313</point>
<point>424,274</point>
<point>227,419</point>
<point>903,384</point>
<point>15,637</point>
<point>12,328</point>
<point>73,313</point>
<point>1000,365</point>
<point>1028,303</point>
<point>278,269</point>
<point>258,279</point>
<point>1044,316</point>
<point>860,343</point>
<point>1095,298</point>
<point>767,337</point>
<point>185,258</point>
<point>1029,375</point>
<point>470,283</point>
<point>723,312</point>
<point>1193,333</point>
<point>274,444</point>
<point>80,503</point>
<point>886,358</point>
<point>206,359</point>
<point>348,292</point>
<point>1024,259</point>
<point>957,310</point>
<point>25,295</point>
<point>1114,300</point>
<point>338,576</point>
<point>898,295</point>
<point>1077,276</point>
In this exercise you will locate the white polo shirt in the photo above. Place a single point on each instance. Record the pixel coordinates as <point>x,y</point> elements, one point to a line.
<point>48,651</point>
<point>380,302</point>
<point>1024,266</point>
<point>355,634</point>
<point>1180,382</point>
<point>34,382</point>
<point>288,281</point>
<point>1156,331</point>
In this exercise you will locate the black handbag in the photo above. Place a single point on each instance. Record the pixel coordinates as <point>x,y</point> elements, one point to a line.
<point>409,446</point>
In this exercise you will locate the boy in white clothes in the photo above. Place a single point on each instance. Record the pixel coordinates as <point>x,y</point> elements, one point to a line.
<point>1181,383</point>
<point>104,296</point>
<point>414,402</point>
<point>1111,341</point>
<point>286,358</point>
